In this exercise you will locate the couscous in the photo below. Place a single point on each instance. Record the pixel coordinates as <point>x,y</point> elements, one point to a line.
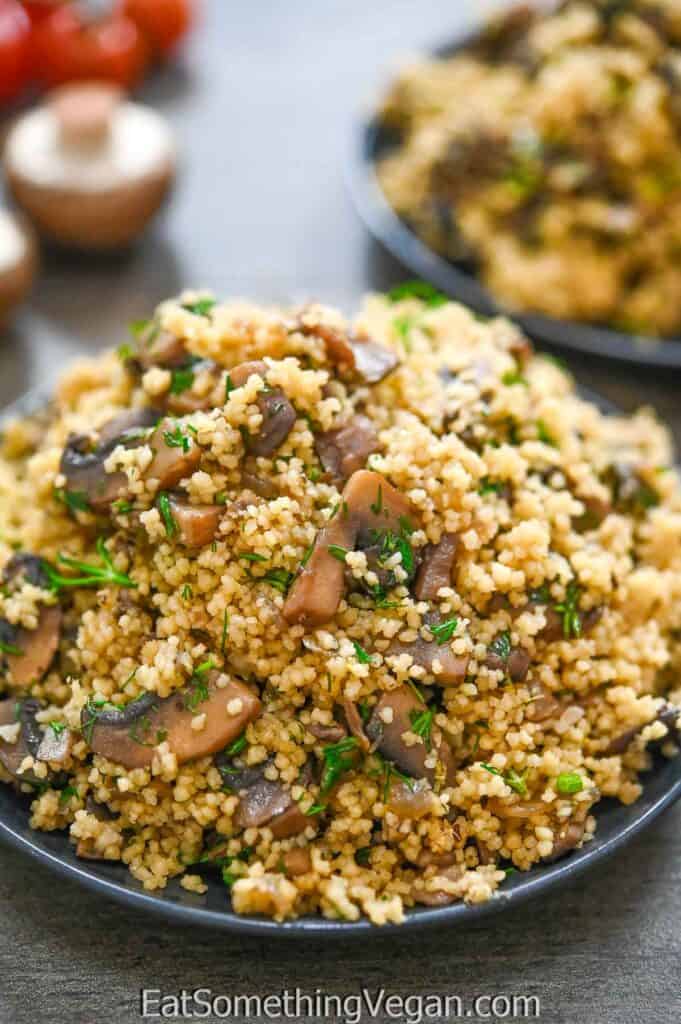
<point>359,614</point>
<point>547,157</point>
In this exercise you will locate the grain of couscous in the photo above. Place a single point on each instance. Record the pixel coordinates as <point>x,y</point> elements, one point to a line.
<point>359,615</point>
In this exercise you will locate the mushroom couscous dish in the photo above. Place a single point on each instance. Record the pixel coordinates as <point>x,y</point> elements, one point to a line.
<point>361,615</point>
<point>547,155</point>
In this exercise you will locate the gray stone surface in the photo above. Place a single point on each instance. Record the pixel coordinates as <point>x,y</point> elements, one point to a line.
<point>263,107</point>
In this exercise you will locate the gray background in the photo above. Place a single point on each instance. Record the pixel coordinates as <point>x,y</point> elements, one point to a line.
<point>263,107</point>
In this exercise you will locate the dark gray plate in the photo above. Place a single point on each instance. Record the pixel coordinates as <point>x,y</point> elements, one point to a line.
<point>616,826</point>
<point>370,141</point>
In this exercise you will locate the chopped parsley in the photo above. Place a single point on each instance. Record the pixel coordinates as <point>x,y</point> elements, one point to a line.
<point>10,649</point>
<point>236,746</point>
<point>388,772</point>
<point>544,435</point>
<point>225,629</point>
<point>57,728</point>
<point>140,327</point>
<point>122,507</point>
<point>280,579</point>
<point>444,631</point>
<point>75,501</point>
<point>229,386</point>
<point>363,657</point>
<point>164,508</point>
<point>501,645</point>
<point>198,686</point>
<point>569,611</point>
<point>90,575</point>
<point>568,783</point>
<point>512,778</point>
<point>252,556</point>
<point>402,325</point>
<point>124,352</point>
<point>421,290</point>
<point>377,506</point>
<point>181,379</point>
<point>362,855</point>
<point>489,486</point>
<point>186,592</point>
<point>66,794</point>
<point>512,377</point>
<point>422,724</point>
<point>338,758</point>
<point>201,307</point>
<point>176,439</point>
<point>337,551</point>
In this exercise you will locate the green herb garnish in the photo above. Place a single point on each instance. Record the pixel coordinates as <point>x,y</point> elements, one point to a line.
<point>337,551</point>
<point>544,435</point>
<point>236,746</point>
<point>164,508</point>
<point>57,728</point>
<point>181,379</point>
<point>512,377</point>
<point>201,307</point>
<point>91,575</point>
<point>422,724</point>
<point>511,778</point>
<point>75,501</point>
<point>568,783</point>
<point>444,631</point>
<point>501,645</point>
<point>421,290</point>
<point>176,439</point>
<point>66,793</point>
<point>10,649</point>
<point>363,657</point>
<point>569,610</point>
<point>377,506</point>
<point>225,628</point>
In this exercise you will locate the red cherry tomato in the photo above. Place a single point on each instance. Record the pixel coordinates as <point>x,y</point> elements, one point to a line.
<point>164,22</point>
<point>39,9</point>
<point>15,33</point>
<point>68,47</point>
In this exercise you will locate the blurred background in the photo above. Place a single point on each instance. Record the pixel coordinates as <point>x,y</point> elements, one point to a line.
<point>262,98</point>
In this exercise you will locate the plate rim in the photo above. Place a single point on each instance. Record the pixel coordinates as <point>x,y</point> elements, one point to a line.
<point>385,225</point>
<point>522,887</point>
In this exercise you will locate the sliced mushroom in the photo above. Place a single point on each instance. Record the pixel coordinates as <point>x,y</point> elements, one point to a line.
<point>55,746</point>
<point>356,357</point>
<point>82,461</point>
<point>34,649</point>
<point>439,897</point>
<point>400,706</point>
<point>369,503</point>
<point>156,347</point>
<point>346,449</point>
<point>568,837</point>
<point>436,567</point>
<point>171,464</point>
<point>297,861</point>
<point>516,662</point>
<point>425,652</point>
<point>196,524</point>
<point>27,741</point>
<point>263,802</point>
<point>542,705</point>
<point>129,736</point>
<point>278,415</point>
<point>520,809</point>
<point>669,715</point>
<point>327,733</point>
<point>355,724</point>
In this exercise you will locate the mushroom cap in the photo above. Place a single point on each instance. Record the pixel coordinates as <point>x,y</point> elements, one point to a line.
<point>89,168</point>
<point>18,262</point>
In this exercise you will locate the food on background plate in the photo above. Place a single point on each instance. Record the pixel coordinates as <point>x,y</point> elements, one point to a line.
<point>547,155</point>
<point>18,262</point>
<point>361,614</point>
<point>15,35</point>
<point>90,168</point>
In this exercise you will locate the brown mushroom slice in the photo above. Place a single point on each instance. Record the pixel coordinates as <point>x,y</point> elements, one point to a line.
<point>196,524</point>
<point>90,168</point>
<point>669,715</point>
<point>129,736</point>
<point>411,801</point>
<point>358,357</point>
<point>18,264</point>
<point>290,822</point>
<point>29,737</point>
<point>369,503</point>
<point>35,648</point>
<point>156,347</point>
<point>171,464</point>
<point>345,449</point>
<point>425,653</point>
<point>436,568</point>
<point>542,705</point>
<point>567,838</point>
<point>439,897</point>
<point>259,801</point>
<point>327,733</point>
<point>82,460</point>
<point>355,724</point>
<point>520,809</point>
<point>55,747</point>
<point>278,415</point>
<point>297,861</point>
<point>400,706</point>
